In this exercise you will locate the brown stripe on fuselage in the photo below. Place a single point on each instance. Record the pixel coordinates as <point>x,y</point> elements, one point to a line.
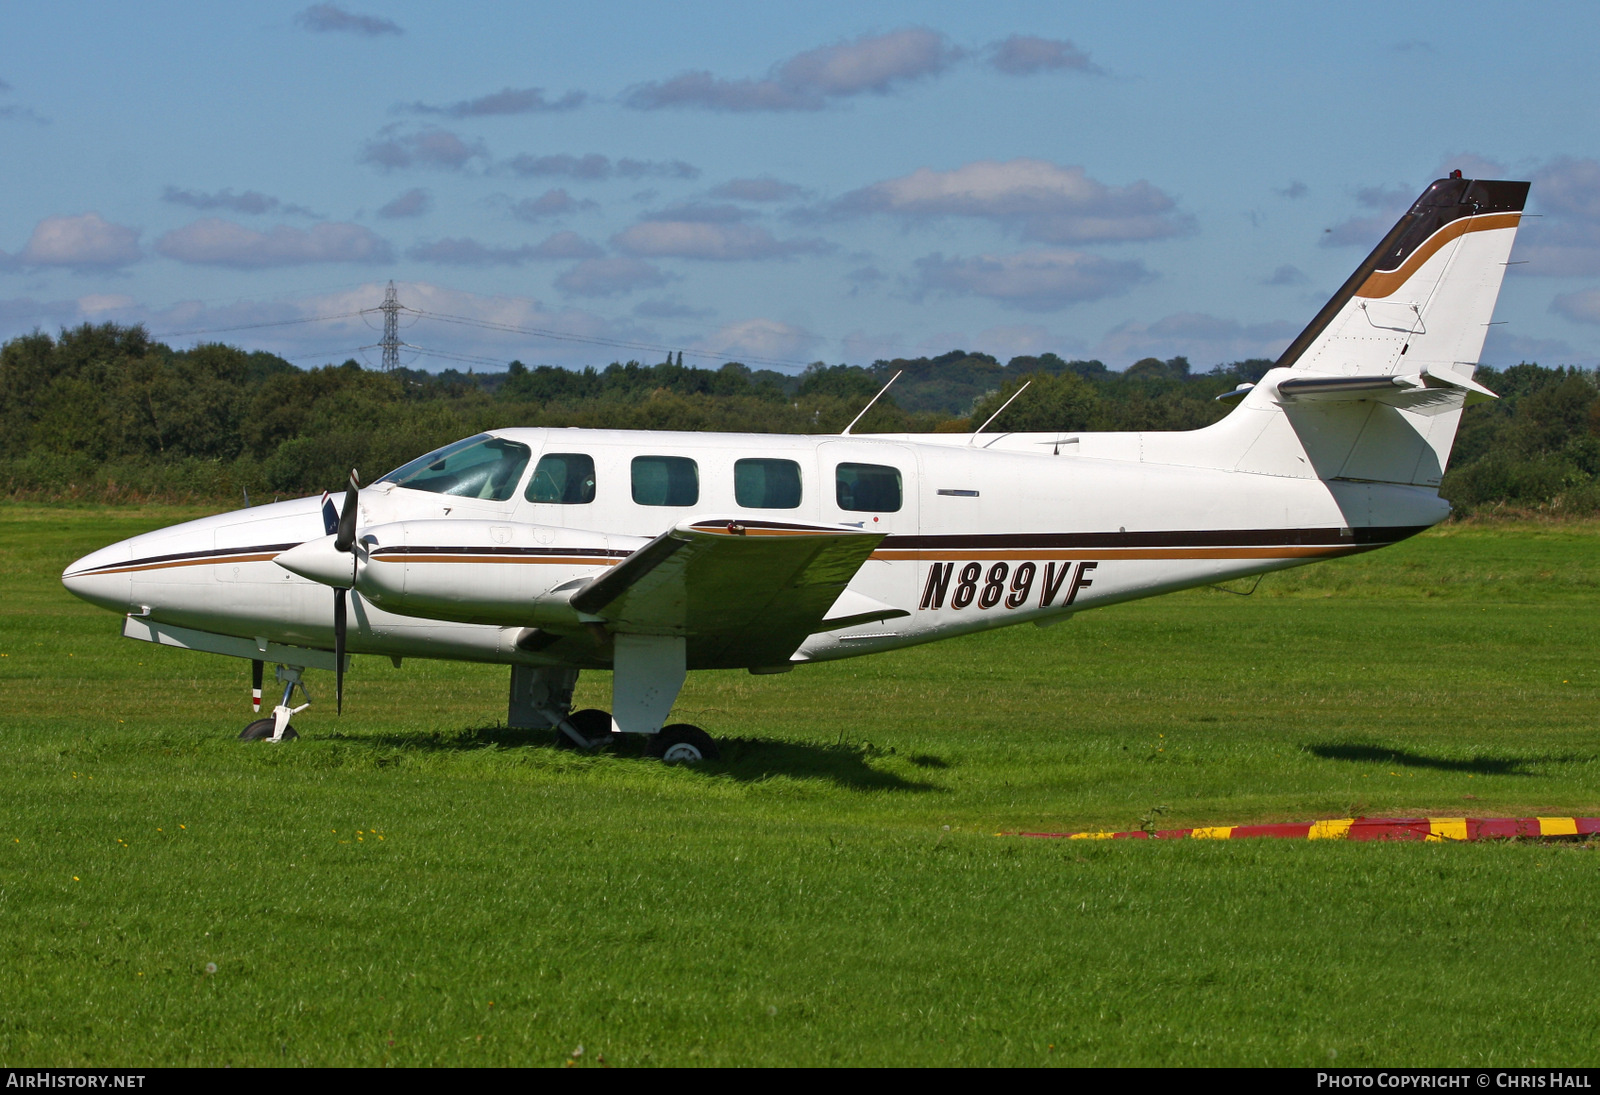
<point>466,557</point>
<point>1384,282</point>
<point>1284,552</point>
<point>209,560</point>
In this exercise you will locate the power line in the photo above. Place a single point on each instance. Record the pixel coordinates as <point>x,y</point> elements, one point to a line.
<point>254,326</point>
<point>390,344</point>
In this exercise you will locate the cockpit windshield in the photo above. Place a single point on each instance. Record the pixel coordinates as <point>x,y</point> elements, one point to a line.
<point>480,467</point>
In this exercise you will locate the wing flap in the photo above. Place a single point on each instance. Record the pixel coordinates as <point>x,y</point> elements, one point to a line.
<point>754,588</point>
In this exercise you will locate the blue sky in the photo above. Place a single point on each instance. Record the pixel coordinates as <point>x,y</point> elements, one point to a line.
<point>776,184</point>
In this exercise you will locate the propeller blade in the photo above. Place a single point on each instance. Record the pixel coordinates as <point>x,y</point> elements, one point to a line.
<point>338,648</point>
<point>346,538</point>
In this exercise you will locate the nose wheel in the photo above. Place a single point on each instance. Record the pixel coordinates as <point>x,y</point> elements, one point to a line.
<point>263,729</point>
<point>277,728</point>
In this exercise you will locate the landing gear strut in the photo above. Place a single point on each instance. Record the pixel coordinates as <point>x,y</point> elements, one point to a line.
<point>542,697</point>
<point>277,728</point>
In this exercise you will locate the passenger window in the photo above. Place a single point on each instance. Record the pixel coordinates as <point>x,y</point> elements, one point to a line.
<point>665,481</point>
<point>766,484</point>
<point>479,467</point>
<point>565,478</point>
<point>868,488</point>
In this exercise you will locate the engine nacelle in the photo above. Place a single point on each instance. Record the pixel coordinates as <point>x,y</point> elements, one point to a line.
<point>480,572</point>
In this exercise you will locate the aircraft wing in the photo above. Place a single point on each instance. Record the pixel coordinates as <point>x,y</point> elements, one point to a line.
<point>752,590</point>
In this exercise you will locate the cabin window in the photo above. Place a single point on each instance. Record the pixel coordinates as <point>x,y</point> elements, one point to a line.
<point>868,488</point>
<point>766,484</point>
<point>479,467</point>
<point>665,481</point>
<point>565,478</point>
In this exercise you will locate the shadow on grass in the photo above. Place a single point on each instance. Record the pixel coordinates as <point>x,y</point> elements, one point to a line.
<point>748,760</point>
<point>1378,754</point>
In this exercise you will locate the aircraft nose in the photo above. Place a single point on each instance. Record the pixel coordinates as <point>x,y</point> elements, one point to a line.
<point>102,578</point>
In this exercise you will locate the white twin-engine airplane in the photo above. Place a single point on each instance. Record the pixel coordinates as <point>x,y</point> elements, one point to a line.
<point>650,554</point>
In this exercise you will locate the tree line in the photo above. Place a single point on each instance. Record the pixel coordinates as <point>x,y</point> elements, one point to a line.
<point>103,412</point>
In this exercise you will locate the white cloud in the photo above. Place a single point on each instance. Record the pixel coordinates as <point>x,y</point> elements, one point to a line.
<point>871,63</point>
<point>20,315</point>
<point>526,100</point>
<point>552,203</point>
<point>1502,349</point>
<point>1024,55</point>
<point>413,203</point>
<point>94,304</point>
<point>764,189</point>
<point>759,338</point>
<point>599,277</point>
<point>1205,340</point>
<point>1565,242</point>
<point>213,241</point>
<point>707,238</point>
<point>1040,200</point>
<point>331,18</point>
<point>1036,281</point>
<point>1580,307</point>
<point>594,166</point>
<point>84,242</point>
<point>1367,229</point>
<point>567,245</point>
<point>1286,275</point>
<point>1024,339</point>
<point>251,202</point>
<point>461,251</point>
<point>663,308</point>
<point>394,149</point>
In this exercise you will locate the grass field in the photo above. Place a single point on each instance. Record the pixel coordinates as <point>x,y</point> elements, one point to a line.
<point>410,884</point>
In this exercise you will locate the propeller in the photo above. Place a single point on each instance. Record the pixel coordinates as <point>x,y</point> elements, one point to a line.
<point>344,540</point>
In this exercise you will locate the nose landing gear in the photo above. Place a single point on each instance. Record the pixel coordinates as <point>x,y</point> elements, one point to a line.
<point>277,728</point>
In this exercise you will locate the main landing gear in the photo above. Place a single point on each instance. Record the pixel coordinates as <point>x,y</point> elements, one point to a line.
<point>276,728</point>
<point>542,697</point>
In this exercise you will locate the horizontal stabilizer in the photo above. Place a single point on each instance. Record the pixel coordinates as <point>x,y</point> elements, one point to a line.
<point>1432,391</point>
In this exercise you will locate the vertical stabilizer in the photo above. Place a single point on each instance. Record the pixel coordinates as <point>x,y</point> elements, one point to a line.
<point>1426,294</point>
<point>1372,390</point>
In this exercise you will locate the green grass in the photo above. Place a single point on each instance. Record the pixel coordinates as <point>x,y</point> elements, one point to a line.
<point>833,891</point>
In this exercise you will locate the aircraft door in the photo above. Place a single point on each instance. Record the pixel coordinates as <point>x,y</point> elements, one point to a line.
<point>872,485</point>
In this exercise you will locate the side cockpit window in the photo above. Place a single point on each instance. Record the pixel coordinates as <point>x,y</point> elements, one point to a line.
<point>480,467</point>
<point>565,478</point>
<point>665,481</point>
<point>766,484</point>
<point>868,488</point>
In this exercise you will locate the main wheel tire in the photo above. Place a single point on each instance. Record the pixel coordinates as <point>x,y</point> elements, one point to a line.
<point>591,722</point>
<point>682,743</point>
<point>261,730</point>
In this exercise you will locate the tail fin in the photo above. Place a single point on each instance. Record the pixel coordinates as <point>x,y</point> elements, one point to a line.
<point>1372,390</point>
<point>1426,293</point>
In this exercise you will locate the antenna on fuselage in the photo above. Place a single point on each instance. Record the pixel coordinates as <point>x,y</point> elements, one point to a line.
<point>870,402</point>
<point>974,438</point>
